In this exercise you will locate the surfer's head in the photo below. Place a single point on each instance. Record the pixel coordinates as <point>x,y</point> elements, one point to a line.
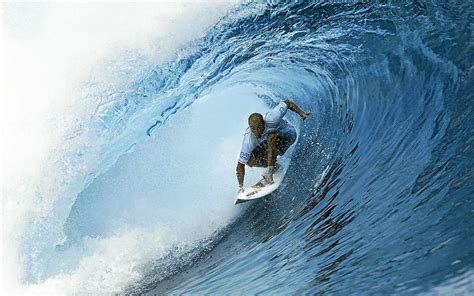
<point>256,123</point>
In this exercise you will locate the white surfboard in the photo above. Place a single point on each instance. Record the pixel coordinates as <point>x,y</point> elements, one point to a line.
<point>251,193</point>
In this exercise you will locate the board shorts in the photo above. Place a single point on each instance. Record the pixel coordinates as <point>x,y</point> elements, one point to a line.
<point>285,138</point>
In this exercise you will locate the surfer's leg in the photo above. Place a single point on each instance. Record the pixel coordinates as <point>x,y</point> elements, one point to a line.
<point>272,149</point>
<point>285,138</point>
<point>271,158</point>
<point>258,157</point>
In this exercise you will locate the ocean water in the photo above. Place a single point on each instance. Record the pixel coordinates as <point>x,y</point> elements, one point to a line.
<point>131,184</point>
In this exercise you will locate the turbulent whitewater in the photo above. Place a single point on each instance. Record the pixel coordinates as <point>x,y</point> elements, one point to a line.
<point>135,195</point>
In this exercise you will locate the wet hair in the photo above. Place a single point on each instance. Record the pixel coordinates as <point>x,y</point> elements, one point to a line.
<point>255,118</point>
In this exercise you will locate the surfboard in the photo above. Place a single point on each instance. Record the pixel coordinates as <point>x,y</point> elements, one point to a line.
<point>251,193</point>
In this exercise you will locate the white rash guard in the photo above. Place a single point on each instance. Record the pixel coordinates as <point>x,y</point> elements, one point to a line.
<point>273,122</point>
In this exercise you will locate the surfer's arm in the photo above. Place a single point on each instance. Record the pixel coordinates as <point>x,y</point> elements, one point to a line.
<point>293,107</point>
<point>240,173</point>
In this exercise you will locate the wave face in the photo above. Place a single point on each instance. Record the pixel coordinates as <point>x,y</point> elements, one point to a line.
<point>377,199</point>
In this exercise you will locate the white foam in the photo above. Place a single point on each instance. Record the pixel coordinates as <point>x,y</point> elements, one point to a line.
<point>171,191</point>
<point>49,52</point>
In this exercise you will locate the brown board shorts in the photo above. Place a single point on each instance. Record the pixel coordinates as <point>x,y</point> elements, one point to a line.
<point>285,138</point>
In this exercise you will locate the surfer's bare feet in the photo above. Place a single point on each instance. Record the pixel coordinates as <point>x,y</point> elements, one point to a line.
<point>261,183</point>
<point>268,178</point>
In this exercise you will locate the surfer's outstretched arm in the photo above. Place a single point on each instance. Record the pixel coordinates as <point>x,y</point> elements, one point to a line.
<point>240,174</point>
<point>293,107</point>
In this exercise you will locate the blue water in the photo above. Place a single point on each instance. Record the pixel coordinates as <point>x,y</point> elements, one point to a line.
<point>378,198</point>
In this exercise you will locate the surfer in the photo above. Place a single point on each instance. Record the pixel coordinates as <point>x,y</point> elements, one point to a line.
<point>266,137</point>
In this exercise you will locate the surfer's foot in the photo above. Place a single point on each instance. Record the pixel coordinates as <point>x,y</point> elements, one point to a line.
<point>262,183</point>
<point>268,178</point>
<point>268,175</point>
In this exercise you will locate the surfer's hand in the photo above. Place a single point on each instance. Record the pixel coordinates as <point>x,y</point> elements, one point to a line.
<point>304,115</point>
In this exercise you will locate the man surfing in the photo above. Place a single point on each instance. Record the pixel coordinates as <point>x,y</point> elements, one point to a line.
<point>265,138</point>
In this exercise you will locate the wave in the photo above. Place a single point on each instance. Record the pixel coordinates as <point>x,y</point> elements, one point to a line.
<point>377,197</point>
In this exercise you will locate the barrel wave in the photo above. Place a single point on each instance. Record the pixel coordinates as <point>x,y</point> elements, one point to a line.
<point>378,198</point>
